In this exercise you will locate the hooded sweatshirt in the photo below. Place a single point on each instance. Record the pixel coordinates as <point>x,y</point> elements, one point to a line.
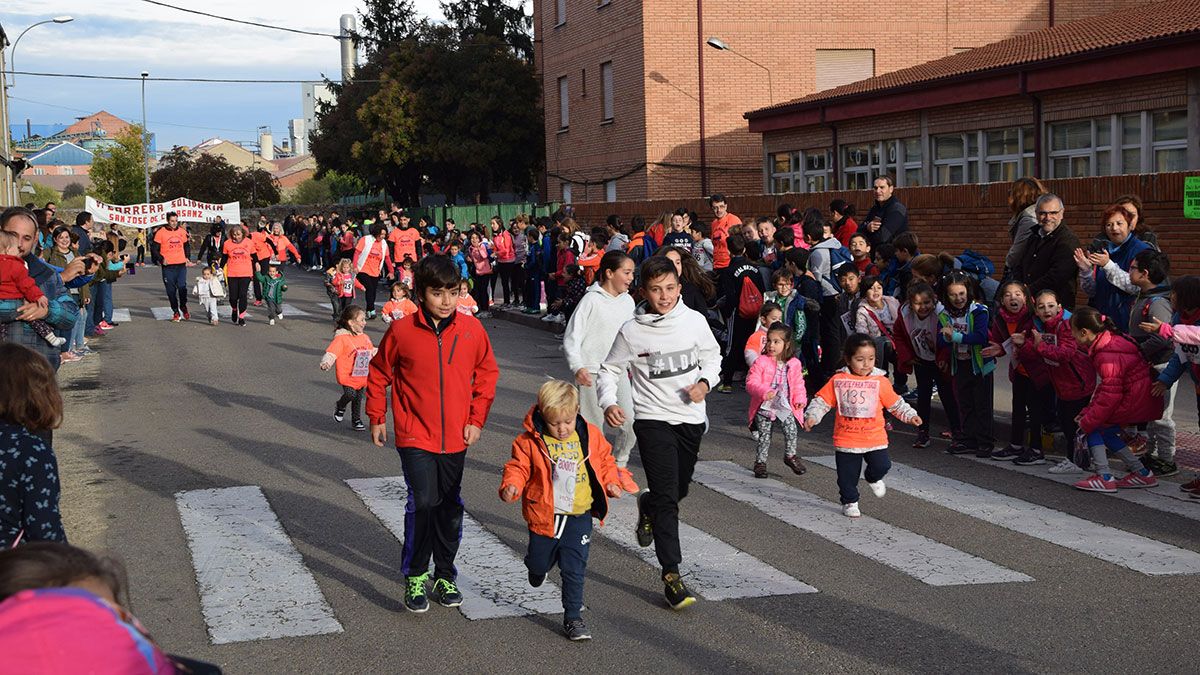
<point>593,327</point>
<point>665,353</point>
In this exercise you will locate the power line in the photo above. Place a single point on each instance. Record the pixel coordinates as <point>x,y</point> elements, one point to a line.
<point>132,78</point>
<point>148,122</point>
<point>242,21</point>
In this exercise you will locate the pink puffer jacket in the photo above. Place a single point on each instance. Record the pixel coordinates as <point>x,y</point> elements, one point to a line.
<point>1123,396</point>
<point>762,376</point>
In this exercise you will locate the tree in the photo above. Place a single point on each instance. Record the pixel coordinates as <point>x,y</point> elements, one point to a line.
<point>344,185</point>
<point>311,191</point>
<point>73,190</point>
<point>41,195</point>
<point>211,178</point>
<point>383,23</point>
<point>498,19</point>
<point>116,172</point>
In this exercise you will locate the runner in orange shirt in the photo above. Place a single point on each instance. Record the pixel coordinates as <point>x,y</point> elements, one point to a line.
<point>172,247</point>
<point>351,351</point>
<point>405,240</point>
<point>237,257</point>
<point>262,257</point>
<point>722,221</point>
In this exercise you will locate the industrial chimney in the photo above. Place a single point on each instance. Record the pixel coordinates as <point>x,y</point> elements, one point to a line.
<point>266,144</point>
<point>349,49</point>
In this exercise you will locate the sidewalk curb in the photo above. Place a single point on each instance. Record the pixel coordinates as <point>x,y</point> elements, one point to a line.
<point>529,320</point>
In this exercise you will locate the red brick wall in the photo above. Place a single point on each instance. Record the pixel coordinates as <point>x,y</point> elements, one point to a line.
<point>955,217</point>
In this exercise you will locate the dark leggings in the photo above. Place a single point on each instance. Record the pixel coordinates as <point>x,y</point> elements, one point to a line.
<point>480,291</point>
<point>372,285</point>
<point>508,281</point>
<point>354,398</point>
<point>239,289</point>
<point>1032,404</point>
<point>262,266</point>
<point>928,374</point>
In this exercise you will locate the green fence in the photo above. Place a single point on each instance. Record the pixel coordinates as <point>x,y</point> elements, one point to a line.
<point>462,215</point>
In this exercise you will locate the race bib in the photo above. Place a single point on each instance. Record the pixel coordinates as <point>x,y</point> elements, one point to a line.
<point>923,344</point>
<point>1188,353</point>
<point>848,322</point>
<point>564,476</point>
<point>362,363</point>
<point>857,398</point>
<point>348,287</point>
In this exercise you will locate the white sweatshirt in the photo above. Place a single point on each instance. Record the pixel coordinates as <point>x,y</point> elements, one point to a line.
<point>593,327</point>
<point>665,354</point>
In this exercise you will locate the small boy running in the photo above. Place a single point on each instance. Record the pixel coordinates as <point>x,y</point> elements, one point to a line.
<point>442,372</point>
<point>273,288</point>
<point>563,468</point>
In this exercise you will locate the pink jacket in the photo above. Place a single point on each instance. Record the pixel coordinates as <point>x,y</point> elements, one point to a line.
<point>999,332</point>
<point>1123,396</point>
<point>1071,371</point>
<point>761,377</point>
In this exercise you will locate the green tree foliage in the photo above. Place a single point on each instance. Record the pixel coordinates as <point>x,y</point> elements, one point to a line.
<point>116,172</point>
<point>501,19</point>
<point>73,190</point>
<point>344,185</point>
<point>211,178</point>
<point>42,194</point>
<point>383,23</point>
<point>311,191</point>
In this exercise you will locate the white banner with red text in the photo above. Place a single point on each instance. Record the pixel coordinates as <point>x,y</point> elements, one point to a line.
<point>150,215</point>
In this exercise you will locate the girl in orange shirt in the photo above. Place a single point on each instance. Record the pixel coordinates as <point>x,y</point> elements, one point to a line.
<point>860,392</point>
<point>351,351</point>
<point>466,303</point>
<point>237,257</point>
<point>400,305</point>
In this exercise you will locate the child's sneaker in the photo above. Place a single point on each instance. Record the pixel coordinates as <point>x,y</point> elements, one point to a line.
<point>645,526</point>
<point>212,322</point>
<point>1008,454</point>
<point>1064,467</point>
<point>760,469</point>
<point>793,462</point>
<point>625,479</point>
<point>1137,480</point>
<point>576,630</point>
<point>1160,467</point>
<point>446,593</point>
<point>878,488</point>
<point>959,448</point>
<point>106,325</point>
<point>851,510</point>
<point>536,580</point>
<point>339,415</point>
<point>1097,483</point>
<point>56,340</point>
<point>359,426</point>
<point>415,599</point>
<point>187,316</point>
<point>985,452</point>
<point>724,389</point>
<point>922,439</point>
<point>270,322</point>
<point>1030,457</point>
<point>677,594</point>
<point>1191,486</point>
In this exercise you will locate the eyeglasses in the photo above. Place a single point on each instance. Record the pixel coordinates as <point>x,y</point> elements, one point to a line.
<point>1048,213</point>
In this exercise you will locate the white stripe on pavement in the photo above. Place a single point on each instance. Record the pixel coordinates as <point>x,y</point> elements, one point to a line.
<point>122,315</point>
<point>492,578</point>
<point>252,580</point>
<point>915,555</point>
<point>1166,497</point>
<point>325,305</point>
<point>161,313</point>
<point>292,310</point>
<point>1099,541</point>
<point>712,568</point>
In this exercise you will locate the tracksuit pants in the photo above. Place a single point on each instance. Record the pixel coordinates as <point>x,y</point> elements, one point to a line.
<point>974,396</point>
<point>175,281</point>
<point>433,514</point>
<point>569,550</point>
<point>850,467</point>
<point>669,453</point>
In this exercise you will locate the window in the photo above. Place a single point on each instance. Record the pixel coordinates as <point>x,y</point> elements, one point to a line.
<point>1008,154</point>
<point>610,191</point>
<point>799,171</point>
<point>1151,141</point>
<point>863,163</point>
<point>835,67</point>
<point>954,157</point>
<point>606,91</point>
<point>566,193</point>
<point>1169,143</point>
<point>68,171</point>
<point>816,170</point>
<point>564,103</point>
<point>560,12</point>
<point>783,168</point>
<point>1081,148</point>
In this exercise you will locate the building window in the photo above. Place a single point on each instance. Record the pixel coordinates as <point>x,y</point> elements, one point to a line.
<point>956,158</point>
<point>606,90</point>
<point>560,12</point>
<point>564,104</point>
<point>798,171</point>
<point>566,193</point>
<point>835,67</point>
<point>816,170</point>
<point>913,155</point>
<point>1145,142</point>
<point>1169,142</point>
<point>1081,148</point>
<point>68,171</point>
<point>610,191</point>
<point>864,162</point>
<point>783,167</point>
<point>1008,154</point>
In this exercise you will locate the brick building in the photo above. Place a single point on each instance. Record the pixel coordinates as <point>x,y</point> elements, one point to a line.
<point>622,79</point>
<point>1112,94</point>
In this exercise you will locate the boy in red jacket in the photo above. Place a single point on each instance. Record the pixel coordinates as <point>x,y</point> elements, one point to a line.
<point>442,373</point>
<point>563,467</point>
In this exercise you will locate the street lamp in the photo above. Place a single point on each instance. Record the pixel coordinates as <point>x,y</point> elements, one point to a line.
<point>145,139</point>
<point>12,56</point>
<point>720,45</point>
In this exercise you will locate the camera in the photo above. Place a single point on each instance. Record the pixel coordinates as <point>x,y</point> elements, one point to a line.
<point>1098,246</point>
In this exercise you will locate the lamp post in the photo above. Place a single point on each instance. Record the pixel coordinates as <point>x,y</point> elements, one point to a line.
<point>12,55</point>
<point>721,45</point>
<point>145,140</point>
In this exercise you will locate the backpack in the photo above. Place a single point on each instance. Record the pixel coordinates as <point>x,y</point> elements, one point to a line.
<point>837,257</point>
<point>750,299</point>
<point>976,263</point>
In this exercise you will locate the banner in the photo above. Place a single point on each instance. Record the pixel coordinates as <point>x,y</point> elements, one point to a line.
<point>150,215</point>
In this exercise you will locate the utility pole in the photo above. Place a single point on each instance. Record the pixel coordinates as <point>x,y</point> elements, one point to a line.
<point>145,139</point>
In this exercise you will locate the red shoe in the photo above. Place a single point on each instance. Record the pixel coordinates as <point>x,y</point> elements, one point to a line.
<point>175,317</point>
<point>1137,443</point>
<point>1137,480</point>
<point>1096,483</point>
<point>105,325</point>
<point>99,332</point>
<point>625,478</point>
<point>1193,486</point>
<point>187,315</point>
<point>258,303</point>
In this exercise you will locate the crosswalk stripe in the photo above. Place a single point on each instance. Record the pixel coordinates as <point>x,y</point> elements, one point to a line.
<point>161,313</point>
<point>253,583</point>
<point>1099,541</point>
<point>712,568</point>
<point>1166,497</point>
<point>292,310</point>
<point>325,305</point>
<point>493,580</point>
<point>122,315</point>
<point>913,554</point>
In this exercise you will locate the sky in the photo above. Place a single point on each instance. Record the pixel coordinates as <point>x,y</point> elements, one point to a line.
<point>126,37</point>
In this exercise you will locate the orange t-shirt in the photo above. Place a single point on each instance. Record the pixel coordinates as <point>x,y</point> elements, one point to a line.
<point>404,243</point>
<point>353,353</point>
<point>373,264</point>
<point>467,304</point>
<point>589,265</point>
<point>171,245</point>
<point>261,249</point>
<point>720,233</point>
<point>859,403</point>
<point>284,246</point>
<point>241,260</point>
<point>398,309</point>
<point>756,341</point>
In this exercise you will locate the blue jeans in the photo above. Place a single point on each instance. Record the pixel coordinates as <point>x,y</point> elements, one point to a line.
<point>570,552</point>
<point>102,302</point>
<point>75,341</point>
<point>850,465</point>
<point>175,281</point>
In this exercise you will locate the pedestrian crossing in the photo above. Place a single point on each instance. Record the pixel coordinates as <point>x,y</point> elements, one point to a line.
<point>292,310</point>
<point>253,582</point>
<point>121,315</point>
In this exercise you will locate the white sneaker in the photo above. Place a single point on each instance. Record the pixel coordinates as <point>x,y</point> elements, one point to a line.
<point>271,322</point>
<point>878,488</point>
<point>1066,467</point>
<point>280,319</point>
<point>548,317</point>
<point>851,510</point>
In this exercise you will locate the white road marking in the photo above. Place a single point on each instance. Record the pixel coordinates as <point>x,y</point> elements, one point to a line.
<point>492,578</point>
<point>1099,541</point>
<point>325,305</point>
<point>161,313</point>
<point>915,555</point>
<point>292,310</point>
<point>712,568</point>
<point>253,583</point>
<point>122,315</point>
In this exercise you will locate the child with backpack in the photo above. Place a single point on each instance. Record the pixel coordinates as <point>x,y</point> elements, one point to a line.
<point>741,285</point>
<point>1184,331</point>
<point>963,336</point>
<point>1148,272</point>
<point>915,337</point>
<point>776,387</point>
<point>826,255</point>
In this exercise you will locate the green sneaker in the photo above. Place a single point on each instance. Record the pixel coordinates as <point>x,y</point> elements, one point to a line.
<point>415,599</point>
<point>677,594</point>
<point>446,593</point>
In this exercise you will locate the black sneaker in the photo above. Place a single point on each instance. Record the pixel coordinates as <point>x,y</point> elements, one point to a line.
<point>446,593</point>
<point>677,595</point>
<point>645,527</point>
<point>415,599</point>
<point>1030,457</point>
<point>536,580</point>
<point>760,469</point>
<point>910,395</point>
<point>576,630</point>
<point>958,448</point>
<point>241,322</point>
<point>339,415</point>
<point>984,452</point>
<point>922,439</point>
<point>1159,467</point>
<point>1008,454</point>
<point>359,426</point>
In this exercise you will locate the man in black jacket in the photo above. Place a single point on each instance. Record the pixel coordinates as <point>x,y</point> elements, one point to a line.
<point>887,217</point>
<point>739,328</point>
<point>1048,260</point>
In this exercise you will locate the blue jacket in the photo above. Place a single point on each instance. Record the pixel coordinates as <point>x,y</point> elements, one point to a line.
<point>1110,300</point>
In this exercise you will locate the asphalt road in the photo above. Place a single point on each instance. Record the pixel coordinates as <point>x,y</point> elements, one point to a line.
<point>166,408</point>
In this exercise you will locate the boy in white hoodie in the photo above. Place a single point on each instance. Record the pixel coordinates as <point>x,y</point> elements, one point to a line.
<point>672,357</point>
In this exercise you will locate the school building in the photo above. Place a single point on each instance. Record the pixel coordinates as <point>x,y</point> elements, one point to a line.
<point>646,99</point>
